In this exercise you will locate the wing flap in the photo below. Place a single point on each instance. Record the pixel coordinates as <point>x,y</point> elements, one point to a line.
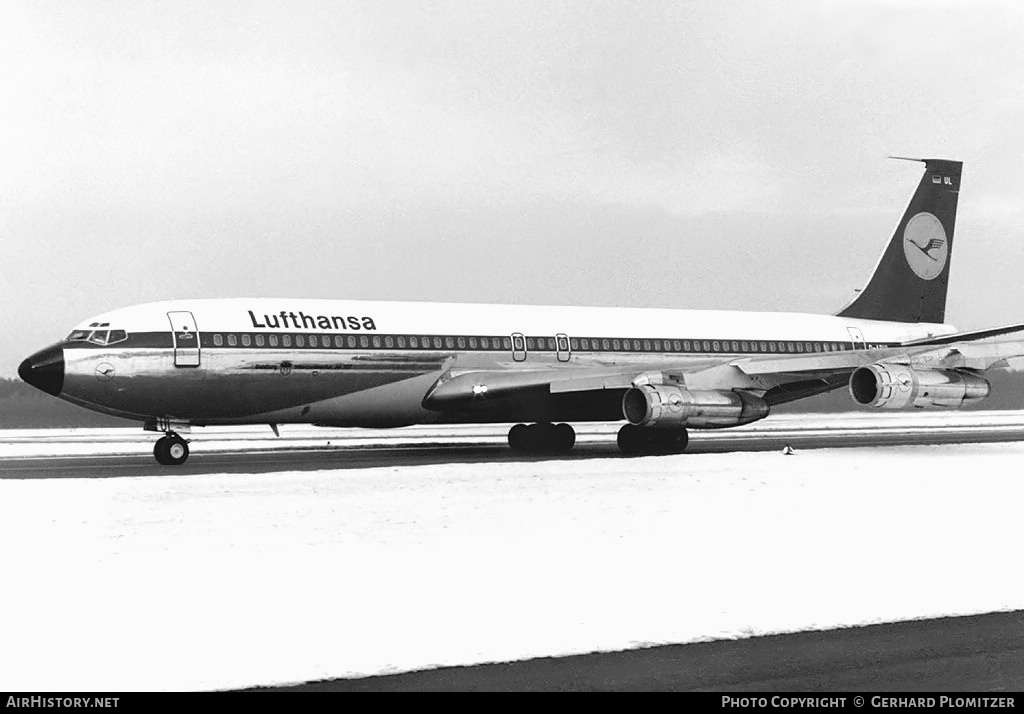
<point>824,362</point>
<point>458,391</point>
<point>961,352</point>
<point>588,382</point>
<point>993,355</point>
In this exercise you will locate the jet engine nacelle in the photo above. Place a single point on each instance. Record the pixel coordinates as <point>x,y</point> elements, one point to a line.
<point>669,406</point>
<point>895,386</point>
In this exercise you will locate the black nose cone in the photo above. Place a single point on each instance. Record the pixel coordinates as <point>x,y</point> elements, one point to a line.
<point>45,370</point>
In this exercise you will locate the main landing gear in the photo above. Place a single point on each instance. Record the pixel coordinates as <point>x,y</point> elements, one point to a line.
<point>560,438</point>
<point>542,438</point>
<point>171,450</point>
<point>634,440</point>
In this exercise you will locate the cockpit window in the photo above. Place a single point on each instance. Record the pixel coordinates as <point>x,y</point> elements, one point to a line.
<point>98,337</point>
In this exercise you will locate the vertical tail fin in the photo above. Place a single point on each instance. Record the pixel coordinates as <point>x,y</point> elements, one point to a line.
<point>910,281</point>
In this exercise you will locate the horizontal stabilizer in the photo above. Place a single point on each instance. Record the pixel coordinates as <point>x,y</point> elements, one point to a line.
<point>964,336</point>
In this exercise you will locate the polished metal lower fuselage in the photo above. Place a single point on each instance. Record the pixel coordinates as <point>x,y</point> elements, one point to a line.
<point>329,387</point>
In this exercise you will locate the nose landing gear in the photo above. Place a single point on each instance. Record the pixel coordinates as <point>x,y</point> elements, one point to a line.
<point>171,450</point>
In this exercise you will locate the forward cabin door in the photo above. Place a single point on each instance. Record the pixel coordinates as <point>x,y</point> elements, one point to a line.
<point>186,339</point>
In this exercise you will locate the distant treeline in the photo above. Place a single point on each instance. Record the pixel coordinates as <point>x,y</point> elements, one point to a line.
<point>24,407</point>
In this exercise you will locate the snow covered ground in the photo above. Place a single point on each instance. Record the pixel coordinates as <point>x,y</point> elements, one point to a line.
<point>216,581</point>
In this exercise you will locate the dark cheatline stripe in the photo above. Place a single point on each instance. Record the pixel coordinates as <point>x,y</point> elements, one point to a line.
<point>475,343</point>
<point>463,343</point>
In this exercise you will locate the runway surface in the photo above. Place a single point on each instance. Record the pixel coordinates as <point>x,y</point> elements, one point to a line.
<point>116,453</point>
<point>983,653</point>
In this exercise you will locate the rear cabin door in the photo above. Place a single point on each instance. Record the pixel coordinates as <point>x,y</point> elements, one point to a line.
<point>518,347</point>
<point>186,339</point>
<point>856,337</point>
<point>562,343</point>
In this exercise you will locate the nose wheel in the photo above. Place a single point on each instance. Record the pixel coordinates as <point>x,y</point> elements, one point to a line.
<point>171,450</point>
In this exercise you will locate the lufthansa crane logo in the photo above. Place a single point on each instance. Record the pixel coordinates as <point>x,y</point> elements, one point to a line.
<point>925,245</point>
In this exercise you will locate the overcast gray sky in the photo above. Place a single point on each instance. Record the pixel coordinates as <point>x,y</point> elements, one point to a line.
<point>671,154</point>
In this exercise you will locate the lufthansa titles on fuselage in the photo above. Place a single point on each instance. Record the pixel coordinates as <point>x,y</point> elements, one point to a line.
<point>302,321</point>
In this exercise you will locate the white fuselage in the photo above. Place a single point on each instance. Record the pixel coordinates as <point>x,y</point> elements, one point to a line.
<point>363,363</point>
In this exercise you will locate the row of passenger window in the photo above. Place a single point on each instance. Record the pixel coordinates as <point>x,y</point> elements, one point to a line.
<point>728,346</point>
<point>415,342</point>
<point>532,344</point>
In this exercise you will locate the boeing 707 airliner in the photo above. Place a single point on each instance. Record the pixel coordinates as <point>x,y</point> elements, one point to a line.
<point>191,363</point>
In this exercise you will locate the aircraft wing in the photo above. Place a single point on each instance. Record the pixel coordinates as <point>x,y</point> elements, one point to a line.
<point>474,389</point>
<point>469,389</point>
<point>778,378</point>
